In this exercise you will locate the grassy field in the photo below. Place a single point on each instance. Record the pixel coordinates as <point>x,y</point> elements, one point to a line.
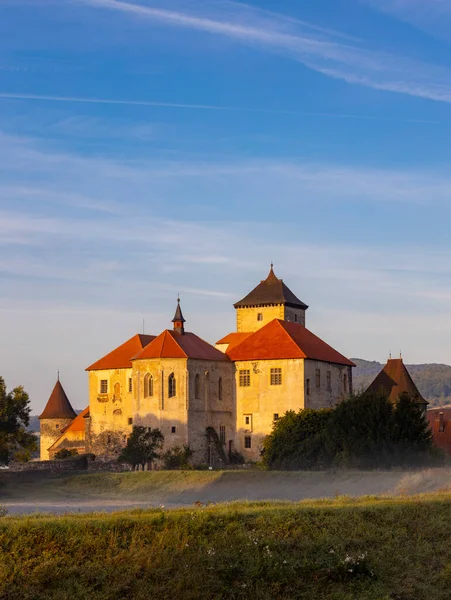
<point>366,549</point>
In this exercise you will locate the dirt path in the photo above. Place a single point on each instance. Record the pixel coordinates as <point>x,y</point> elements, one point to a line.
<point>113,492</point>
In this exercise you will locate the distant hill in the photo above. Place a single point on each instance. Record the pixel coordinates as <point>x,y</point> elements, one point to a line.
<point>433,380</point>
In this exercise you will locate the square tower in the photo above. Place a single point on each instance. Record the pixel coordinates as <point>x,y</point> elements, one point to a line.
<point>271,299</point>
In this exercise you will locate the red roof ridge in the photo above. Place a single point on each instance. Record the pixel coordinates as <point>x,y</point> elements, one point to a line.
<point>280,339</point>
<point>171,344</point>
<point>120,357</point>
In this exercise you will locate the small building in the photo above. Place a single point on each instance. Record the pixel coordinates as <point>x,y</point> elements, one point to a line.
<point>439,418</point>
<point>57,415</point>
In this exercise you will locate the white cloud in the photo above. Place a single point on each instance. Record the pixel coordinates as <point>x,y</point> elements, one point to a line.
<point>319,51</point>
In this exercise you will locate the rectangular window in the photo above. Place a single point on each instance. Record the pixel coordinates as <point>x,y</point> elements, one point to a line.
<point>222,434</point>
<point>248,422</point>
<point>130,387</point>
<point>104,386</point>
<point>318,378</point>
<point>130,421</point>
<point>329,381</point>
<point>307,387</point>
<point>345,383</point>
<point>245,378</point>
<point>276,376</point>
<point>276,417</point>
<point>173,429</point>
<point>247,442</point>
<point>260,317</point>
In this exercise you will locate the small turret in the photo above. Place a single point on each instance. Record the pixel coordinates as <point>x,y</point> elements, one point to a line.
<point>57,414</point>
<point>178,320</point>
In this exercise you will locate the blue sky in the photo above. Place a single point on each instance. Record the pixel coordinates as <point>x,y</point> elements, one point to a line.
<point>149,148</point>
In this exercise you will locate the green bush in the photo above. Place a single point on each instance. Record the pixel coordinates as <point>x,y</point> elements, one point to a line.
<point>297,441</point>
<point>65,453</point>
<point>365,431</point>
<point>177,458</point>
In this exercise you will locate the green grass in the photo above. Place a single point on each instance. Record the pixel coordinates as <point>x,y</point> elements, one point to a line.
<point>243,550</point>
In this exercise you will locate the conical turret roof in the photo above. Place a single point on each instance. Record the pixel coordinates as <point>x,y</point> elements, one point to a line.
<point>58,405</point>
<point>394,380</point>
<point>178,317</point>
<point>271,290</point>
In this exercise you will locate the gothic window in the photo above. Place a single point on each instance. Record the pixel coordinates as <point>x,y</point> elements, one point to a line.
<point>104,386</point>
<point>245,378</point>
<point>222,434</point>
<point>148,385</point>
<point>329,381</point>
<point>276,376</point>
<point>247,442</point>
<point>318,378</point>
<point>220,388</point>
<point>197,386</point>
<point>172,386</point>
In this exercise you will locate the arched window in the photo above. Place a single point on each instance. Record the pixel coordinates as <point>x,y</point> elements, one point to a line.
<point>220,388</point>
<point>148,385</point>
<point>197,386</point>
<point>117,390</point>
<point>172,386</point>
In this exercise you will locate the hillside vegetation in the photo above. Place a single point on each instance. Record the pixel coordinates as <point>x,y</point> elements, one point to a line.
<point>433,380</point>
<point>369,549</point>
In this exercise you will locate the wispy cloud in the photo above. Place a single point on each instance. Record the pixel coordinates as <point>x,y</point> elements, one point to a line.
<point>141,131</point>
<point>319,51</point>
<point>433,16</point>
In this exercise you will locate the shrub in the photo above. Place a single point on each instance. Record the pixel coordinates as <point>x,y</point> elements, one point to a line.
<point>297,441</point>
<point>65,453</point>
<point>177,458</point>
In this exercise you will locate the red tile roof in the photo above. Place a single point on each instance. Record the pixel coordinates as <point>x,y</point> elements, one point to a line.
<point>395,379</point>
<point>58,405</point>
<point>78,424</point>
<point>171,344</point>
<point>234,338</point>
<point>281,340</point>
<point>120,357</point>
<point>271,290</point>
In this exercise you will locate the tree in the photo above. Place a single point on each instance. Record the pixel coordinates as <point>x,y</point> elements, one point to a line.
<point>177,458</point>
<point>16,443</point>
<point>142,447</point>
<point>369,431</point>
<point>65,453</point>
<point>297,441</point>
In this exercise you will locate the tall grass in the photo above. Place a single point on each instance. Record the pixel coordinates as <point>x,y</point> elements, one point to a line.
<point>368,549</point>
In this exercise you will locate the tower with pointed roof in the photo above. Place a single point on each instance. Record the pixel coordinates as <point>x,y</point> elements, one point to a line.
<point>178,320</point>
<point>394,380</point>
<point>57,414</point>
<point>271,299</point>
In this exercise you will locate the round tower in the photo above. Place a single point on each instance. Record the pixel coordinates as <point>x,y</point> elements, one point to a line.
<point>57,414</point>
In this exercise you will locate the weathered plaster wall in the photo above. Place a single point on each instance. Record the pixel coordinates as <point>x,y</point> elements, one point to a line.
<point>325,397</point>
<point>247,318</point>
<point>261,400</point>
<point>109,413</point>
<point>50,432</point>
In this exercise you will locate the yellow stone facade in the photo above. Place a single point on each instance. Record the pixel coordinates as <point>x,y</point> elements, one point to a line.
<point>250,319</point>
<point>111,409</point>
<point>50,432</point>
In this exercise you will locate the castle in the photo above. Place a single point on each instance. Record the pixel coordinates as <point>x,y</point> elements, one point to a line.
<point>216,399</point>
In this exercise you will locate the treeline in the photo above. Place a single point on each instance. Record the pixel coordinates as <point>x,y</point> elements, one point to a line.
<point>433,380</point>
<point>366,431</point>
